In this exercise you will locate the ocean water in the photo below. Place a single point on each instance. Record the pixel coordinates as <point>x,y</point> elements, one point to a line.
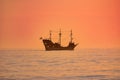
<point>84,64</point>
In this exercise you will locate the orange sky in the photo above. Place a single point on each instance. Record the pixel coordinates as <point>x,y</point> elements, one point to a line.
<point>95,23</point>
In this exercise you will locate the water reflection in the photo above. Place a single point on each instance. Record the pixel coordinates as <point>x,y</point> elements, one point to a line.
<point>63,65</point>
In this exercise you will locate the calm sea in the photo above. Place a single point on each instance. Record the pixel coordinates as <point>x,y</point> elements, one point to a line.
<point>84,64</point>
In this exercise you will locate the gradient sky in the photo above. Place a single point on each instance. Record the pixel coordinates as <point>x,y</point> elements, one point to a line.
<point>95,23</point>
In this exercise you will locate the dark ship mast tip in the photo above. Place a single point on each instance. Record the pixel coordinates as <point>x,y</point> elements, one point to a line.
<point>49,45</point>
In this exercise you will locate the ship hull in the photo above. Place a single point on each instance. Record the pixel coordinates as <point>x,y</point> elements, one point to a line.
<point>49,46</point>
<point>60,48</point>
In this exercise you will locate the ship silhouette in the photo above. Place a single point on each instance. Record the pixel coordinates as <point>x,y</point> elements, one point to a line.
<point>50,45</point>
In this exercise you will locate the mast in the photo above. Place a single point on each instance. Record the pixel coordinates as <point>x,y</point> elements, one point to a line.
<point>50,34</point>
<point>60,37</point>
<point>71,38</point>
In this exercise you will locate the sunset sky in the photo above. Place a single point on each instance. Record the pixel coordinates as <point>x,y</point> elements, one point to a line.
<point>95,23</point>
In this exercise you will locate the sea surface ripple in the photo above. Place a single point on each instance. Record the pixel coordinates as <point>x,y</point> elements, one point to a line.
<point>84,64</point>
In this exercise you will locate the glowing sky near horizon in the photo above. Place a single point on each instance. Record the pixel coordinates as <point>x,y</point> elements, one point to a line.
<point>95,23</point>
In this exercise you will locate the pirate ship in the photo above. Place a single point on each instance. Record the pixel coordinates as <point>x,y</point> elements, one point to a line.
<point>50,45</point>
